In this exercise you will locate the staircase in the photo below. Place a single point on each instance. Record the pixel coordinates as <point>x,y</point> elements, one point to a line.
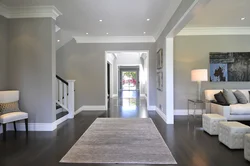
<point>65,97</point>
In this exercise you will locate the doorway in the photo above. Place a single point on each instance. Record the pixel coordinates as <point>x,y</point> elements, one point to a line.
<point>137,87</point>
<point>129,84</point>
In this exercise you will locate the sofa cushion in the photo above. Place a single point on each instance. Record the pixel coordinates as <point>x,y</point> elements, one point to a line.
<point>219,97</point>
<point>240,109</point>
<point>229,96</point>
<point>14,116</point>
<point>9,107</point>
<point>241,98</point>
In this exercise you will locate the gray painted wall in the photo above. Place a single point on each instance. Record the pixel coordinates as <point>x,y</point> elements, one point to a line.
<point>3,52</point>
<point>192,53</point>
<point>31,66</point>
<point>161,43</point>
<point>85,63</point>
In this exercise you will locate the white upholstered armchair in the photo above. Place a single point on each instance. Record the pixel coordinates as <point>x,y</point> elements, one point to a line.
<point>9,110</point>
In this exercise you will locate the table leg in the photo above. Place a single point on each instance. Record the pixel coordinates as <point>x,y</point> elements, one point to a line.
<point>194,110</point>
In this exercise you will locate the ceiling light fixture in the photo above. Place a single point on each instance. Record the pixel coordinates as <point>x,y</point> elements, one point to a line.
<point>87,33</point>
<point>243,18</point>
<point>144,32</point>
<point>100,20</point>
<point>107,33</point>
<point>58,40</point>
<point>148,19</point>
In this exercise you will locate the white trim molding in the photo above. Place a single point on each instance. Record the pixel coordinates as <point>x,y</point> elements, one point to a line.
<point>32,127</point>
<point>91,108</point>
<point>161,114</point>
<point>151,108</point>
<point>29,12</point>
<point>114,39</point>
<point>198,31</point>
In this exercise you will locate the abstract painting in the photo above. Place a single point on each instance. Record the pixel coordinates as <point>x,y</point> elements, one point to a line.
<point>229,66</point>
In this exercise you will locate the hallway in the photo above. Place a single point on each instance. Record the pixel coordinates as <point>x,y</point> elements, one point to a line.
<point>127,105</point>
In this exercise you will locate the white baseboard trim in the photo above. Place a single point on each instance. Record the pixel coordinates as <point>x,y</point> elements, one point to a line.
<point>62,119</point>
<point>161,114</point>
<point>143,96</point>
<point>114,96</point>
<point>185,111</point>
<point>31,126</point>
<point>151,108</point>
<point>91,108</point>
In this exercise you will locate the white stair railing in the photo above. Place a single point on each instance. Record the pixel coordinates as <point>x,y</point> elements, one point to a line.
<point>66,95</point>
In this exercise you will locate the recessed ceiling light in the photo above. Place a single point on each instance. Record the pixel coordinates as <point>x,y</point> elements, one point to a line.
<point>148,19</point>
<point>144,32</point>
<point>243,18</point>
<point>58,40</point>
<point>100,20</point>
<point>87,33</point>
<point>107,33</point>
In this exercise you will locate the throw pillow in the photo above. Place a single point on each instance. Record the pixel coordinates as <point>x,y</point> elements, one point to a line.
<point>240,97</point>
<point>9,107</point>
<point>229,96</point>
<point>220,98</point>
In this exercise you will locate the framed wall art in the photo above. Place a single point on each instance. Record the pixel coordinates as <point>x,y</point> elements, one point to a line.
<point>159,81</point>
<point>229,66</point>
<point>160,59</point>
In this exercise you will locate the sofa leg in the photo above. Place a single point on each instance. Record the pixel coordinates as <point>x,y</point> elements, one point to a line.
<point>26,126</point>
<point>14,123</point>
<point>4,132</point>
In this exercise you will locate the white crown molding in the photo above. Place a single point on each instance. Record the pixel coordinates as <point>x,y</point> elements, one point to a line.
<point>4,10</point>
<point>114,39</point>
<point>29,12</point>
<point>198,31</point>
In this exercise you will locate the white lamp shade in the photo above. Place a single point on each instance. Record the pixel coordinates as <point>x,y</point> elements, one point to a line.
<point>199,75</point>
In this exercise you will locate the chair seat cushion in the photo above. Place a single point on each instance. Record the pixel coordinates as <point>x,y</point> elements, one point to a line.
<point>13,116</point>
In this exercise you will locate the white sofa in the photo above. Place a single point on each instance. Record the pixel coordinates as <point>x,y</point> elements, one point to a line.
<point>239,112</point>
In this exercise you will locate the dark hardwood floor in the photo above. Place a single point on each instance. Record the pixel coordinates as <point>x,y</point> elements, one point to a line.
<point>190,145</point>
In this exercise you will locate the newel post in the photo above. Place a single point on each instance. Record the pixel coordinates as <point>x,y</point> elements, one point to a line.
<point>71,98</point>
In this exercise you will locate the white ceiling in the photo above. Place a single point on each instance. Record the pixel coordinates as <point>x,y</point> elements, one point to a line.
<point>223,13</point>
<point>120,17</point>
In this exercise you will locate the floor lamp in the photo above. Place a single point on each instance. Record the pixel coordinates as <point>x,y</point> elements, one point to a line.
<point>199,75</point>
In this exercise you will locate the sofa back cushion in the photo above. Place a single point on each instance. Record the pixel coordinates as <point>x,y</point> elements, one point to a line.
<point>229,96</point>
<point>240,97</point>
<point>219,97</point>
<point>209,94</point>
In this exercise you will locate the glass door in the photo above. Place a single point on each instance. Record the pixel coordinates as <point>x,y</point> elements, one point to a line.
<point>129,82</point>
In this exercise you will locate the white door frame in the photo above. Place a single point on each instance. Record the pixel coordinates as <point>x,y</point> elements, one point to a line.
<point>119,51</point>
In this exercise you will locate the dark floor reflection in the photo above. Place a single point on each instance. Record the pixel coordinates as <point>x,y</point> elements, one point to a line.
<point>128,105</point>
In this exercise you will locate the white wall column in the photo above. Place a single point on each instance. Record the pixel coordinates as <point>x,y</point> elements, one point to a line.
<point>169,80</point>
<point>71,98</point>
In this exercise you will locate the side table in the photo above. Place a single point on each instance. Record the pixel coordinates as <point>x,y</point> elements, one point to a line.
<point>195,103</point>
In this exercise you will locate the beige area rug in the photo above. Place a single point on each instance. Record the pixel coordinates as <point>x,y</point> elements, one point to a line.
<point>120,141</point>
